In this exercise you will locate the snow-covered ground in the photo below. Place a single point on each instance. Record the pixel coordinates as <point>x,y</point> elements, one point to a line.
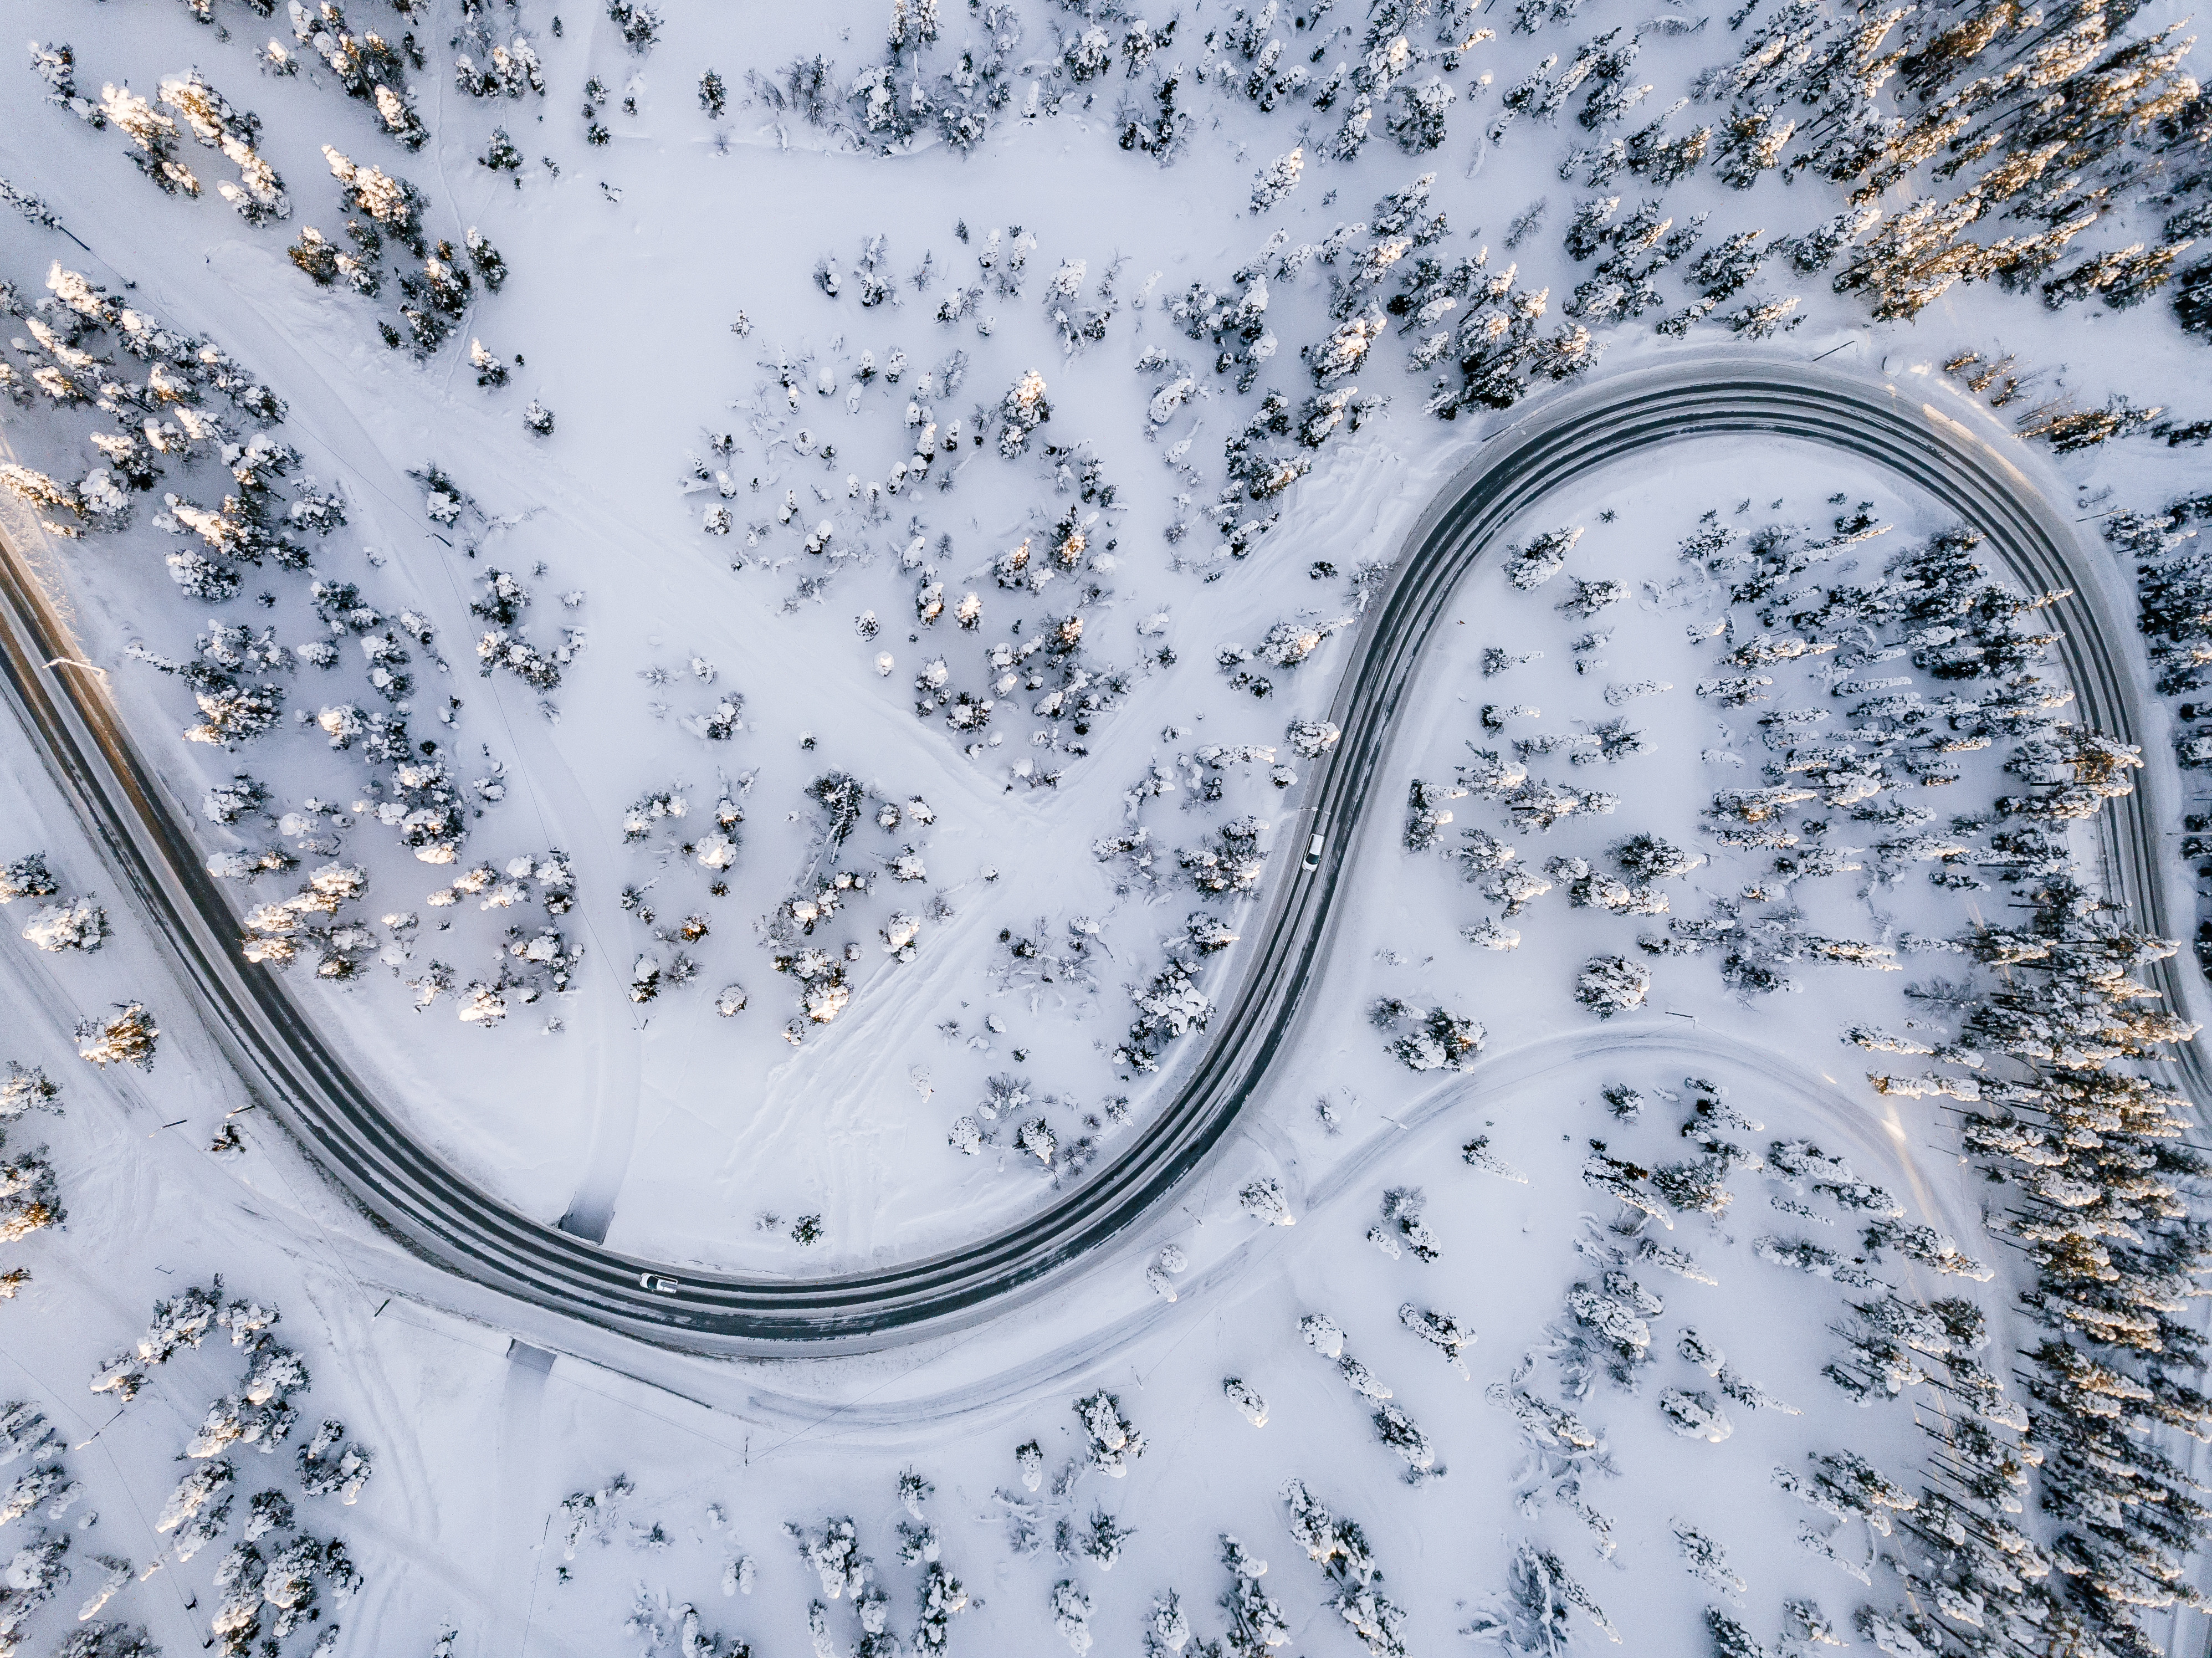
<point>856,746</point>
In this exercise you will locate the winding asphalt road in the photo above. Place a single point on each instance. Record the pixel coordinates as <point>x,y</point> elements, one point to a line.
<point>65,708</point>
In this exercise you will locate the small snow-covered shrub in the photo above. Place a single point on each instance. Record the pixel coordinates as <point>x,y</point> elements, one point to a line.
<point>1071,1614</point>
<point>23,1091</point>
<point>26,877</point>
<point>1263,1200</point>
<point>1114,1442</point>
<point>1172,1006</point>
<point>1694,1416</point>
<point>639,24</point>
<point>1424,819</point>
<point>1233,863</point>
<point>128,1038</point>
<point>1613,984</point>
<point>1647,858</point>
<point>1441,1040</point>
<point>1404,1436</point>
<point>1541,559</point>
<point>1416,118</point>
<point>1024,409</point>
<point>1310,738</point>
<point>1277,179</point>
<point>1588,597</point>
<point>227,803</point>
<point>1441,1330</point>
<point>1247,1401</point>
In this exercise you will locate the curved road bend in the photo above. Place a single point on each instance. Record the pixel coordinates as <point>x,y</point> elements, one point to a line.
<point>438,1215</point>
